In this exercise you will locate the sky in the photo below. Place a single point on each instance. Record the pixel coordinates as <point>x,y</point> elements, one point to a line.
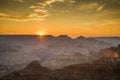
<point>59,17</point>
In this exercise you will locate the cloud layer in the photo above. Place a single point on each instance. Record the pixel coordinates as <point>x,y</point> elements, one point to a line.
<point>24,10</point>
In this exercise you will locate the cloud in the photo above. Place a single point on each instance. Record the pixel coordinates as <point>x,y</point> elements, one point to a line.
<point>24,11</point>
<point>101,7</point>
<point>88,6</point>
<point>39,15</point>
<point>52,1</point>
<point>20,0</point>
<point>39,8</point>
<point>42,5</point>
<point>46,7</point>
<point>3,15</point>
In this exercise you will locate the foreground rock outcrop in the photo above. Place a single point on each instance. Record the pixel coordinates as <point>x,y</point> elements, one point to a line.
<point>89,71</point>
<point>34,71</point>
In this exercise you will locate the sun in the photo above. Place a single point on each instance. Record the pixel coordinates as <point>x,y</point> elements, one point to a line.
<point>41,33</point>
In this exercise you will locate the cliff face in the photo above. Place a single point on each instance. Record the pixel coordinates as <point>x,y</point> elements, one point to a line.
<point>89,71</point>
<point>34,71</point>
<point>106,68</point>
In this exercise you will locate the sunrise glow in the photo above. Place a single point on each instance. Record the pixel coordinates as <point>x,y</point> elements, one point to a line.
<point>41,33</point>
<point>70,17</point>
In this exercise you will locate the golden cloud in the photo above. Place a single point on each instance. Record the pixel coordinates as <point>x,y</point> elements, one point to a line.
<point>27,17</point>
<point>3,15</point>
<point>88,6</point>
<point>20,0</point>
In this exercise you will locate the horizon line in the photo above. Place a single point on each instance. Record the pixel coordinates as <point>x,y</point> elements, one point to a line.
<point>55,36</point>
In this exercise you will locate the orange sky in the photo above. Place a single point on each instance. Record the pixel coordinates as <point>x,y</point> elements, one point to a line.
<point>56,17</point>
